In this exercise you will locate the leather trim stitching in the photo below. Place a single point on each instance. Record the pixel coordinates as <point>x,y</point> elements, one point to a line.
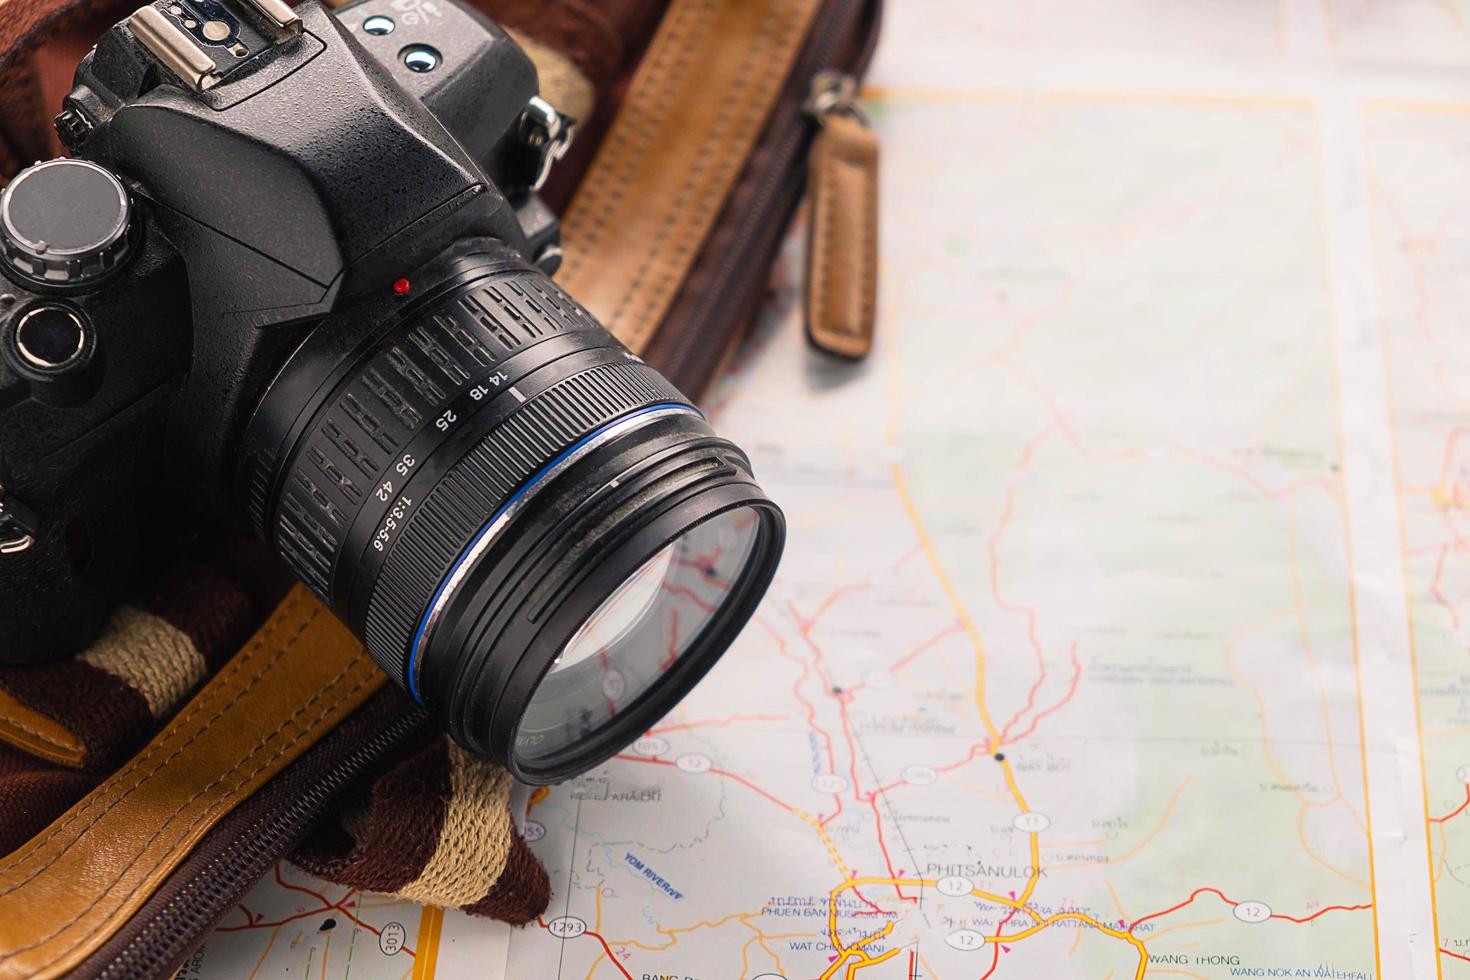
<point>211,693</point>
<point>679,213</point>
<point>207,813</point>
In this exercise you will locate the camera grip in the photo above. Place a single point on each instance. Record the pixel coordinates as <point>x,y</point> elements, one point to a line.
<point>56,596</point>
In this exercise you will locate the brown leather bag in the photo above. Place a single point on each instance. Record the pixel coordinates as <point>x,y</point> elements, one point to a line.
<point>145,786</point>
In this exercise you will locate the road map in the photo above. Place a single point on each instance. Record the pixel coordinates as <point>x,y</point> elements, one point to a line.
<point>1124,628</point>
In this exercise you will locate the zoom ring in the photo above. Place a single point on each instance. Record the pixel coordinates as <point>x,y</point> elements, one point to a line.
<point>452,514</point>
<point>408,382</point>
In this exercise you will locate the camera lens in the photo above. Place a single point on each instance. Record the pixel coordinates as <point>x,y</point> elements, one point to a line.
<point>534,533</point>
<point>640,633</point>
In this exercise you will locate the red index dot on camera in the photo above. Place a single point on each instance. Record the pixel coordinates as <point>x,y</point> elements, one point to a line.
<point>402,286</point>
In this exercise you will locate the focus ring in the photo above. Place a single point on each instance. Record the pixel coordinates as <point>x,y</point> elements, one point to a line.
<point>453,513</point>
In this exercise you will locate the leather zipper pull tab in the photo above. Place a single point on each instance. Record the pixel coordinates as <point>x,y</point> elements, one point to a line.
<point>842,243</point>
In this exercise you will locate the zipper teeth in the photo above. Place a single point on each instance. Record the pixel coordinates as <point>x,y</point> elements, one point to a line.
<point>196,904</point>
<point>835,30</point>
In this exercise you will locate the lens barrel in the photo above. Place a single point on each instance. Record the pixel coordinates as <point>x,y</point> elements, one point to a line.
<point>474,480</point>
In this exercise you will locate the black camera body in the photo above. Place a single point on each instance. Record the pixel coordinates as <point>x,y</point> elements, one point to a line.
<point>296,275</point>
<point>253,215</point>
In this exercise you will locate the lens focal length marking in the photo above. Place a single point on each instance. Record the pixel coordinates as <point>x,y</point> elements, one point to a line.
<point>470,557</point>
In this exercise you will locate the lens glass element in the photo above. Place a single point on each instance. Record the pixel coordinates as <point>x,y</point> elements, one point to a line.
<point>638,634</point>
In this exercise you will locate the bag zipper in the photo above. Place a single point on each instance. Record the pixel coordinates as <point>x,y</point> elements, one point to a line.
<point>212,880</point>
<point>727,285</point>
<point>840,298</point>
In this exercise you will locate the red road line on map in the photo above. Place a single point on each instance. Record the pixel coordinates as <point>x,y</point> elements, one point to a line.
<point>1455,812</point>
<point>924,647</point>
<point>691,595</point>
<point>804,626</point>
<point>909,657</point>
<point>338,907</point>
<point>1440,596</point>
<point>297,888</point>
<point>272,925</point>
<point>610,957</point>
<point>826,605</point>
<point>1245,474</point>
<point>725,722</point>
<point>1071,691</point>
<point>1228,901</point>
<point>993,550</point>
<point>995,947</point>
<point>842,699</point>
<point>883,846</point>
<point>1175,908</point>
<point>1455,955</point>
<point>811,710</point>
<point>1322,911</point>
<point>1449,452</point>
<point>327,905</point>
<point>597,936</point>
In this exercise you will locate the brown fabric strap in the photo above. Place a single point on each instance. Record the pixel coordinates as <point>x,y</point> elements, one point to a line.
<point>683,134</point>
<point>93,709</point>
<point>842,244</point>
<point>67,891</point>
<point>436,829</point>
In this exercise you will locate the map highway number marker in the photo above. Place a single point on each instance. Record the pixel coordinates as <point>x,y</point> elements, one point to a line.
<point>566,927</point>
<point>954,886</point>
<point>1032,823</point>
<point>651,746</point>
<point>829,782</point>
<point>1252,911</point>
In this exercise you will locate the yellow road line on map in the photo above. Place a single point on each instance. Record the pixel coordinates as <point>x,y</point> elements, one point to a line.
<point>856,950</point>
<point>426,954</point>
<point>832,851</point>
<point>1129,938</point>
<point>846,953</point>
<point>868,961</point>
<point>973,631</point>
<point>1403,527</point>
<point>1333,314</point>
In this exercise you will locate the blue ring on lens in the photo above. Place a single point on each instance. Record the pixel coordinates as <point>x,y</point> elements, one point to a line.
<point>410,670</point>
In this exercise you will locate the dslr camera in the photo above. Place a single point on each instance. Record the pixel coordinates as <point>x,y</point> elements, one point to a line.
<point>295,275</point>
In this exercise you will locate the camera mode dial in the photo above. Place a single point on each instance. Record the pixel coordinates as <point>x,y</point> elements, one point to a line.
<point>64,223</point>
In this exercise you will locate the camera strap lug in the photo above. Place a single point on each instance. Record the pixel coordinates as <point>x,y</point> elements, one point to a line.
<point>548,134</point>
<point>16,522</point>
